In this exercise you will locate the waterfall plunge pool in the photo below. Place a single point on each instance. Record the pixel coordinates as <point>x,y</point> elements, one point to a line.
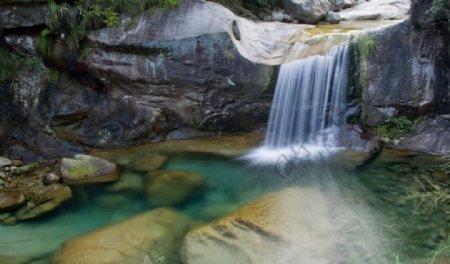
<point>381,201</point>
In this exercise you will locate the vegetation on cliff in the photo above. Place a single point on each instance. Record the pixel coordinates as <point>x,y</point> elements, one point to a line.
<point>71,21</point>
<point>439,12</point>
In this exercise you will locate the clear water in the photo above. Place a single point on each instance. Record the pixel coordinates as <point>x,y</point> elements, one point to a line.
<point>370,206</point>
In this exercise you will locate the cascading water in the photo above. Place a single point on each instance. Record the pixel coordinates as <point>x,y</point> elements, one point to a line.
<point>304,126</point>
<point>308,106</point>
<point>309,99</point>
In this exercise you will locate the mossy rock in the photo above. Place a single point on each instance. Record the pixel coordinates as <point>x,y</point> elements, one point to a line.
<point>88,169</point>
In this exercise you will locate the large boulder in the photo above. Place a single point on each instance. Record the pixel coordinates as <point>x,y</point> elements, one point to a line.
<point>152,237</point>
<point>88,169</point>
<point>294,225</point>
<point>377,10</point>
<point>308,11</point>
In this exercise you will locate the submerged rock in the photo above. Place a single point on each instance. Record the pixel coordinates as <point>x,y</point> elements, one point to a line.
<point>169,188</point>
<point>151,237</point>
<point>129,182</point>
<point>306,10</point>
<point>148,162</point>
<point>11,199</point>
<point>88,169</point>
<point>45,202</point>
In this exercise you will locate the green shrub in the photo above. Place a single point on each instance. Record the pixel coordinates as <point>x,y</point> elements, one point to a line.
<point>439,12</point>
<point>45,42</point>
<point>73,21</point>
<point>396,127</point>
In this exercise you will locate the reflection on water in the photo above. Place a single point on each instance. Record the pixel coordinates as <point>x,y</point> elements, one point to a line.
<point>333,216</point>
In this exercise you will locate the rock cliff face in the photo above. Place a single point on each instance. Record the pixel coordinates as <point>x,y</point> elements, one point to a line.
<point>137,83</point>
<point>407,74</point>
<point>201,67</point>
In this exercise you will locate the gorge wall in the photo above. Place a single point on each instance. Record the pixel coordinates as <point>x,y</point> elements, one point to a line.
<point>139,82</point>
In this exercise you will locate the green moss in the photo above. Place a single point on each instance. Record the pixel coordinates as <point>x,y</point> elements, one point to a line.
<point>366,46</point>
<point>45,43</point>
<point>396,127</point>
<point>11,63</point>
<point>81,169</point>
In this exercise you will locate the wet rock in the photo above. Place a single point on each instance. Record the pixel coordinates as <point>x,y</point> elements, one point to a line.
<point>307,11</point>
<point>150,237</point>
<point>332,18</point>
<point>11,199</point>
<point>129,182</point>
<point>148,162</point>
<point>5,162</point>
<point>169,188</point>
<point>359,138</point>
<point>431,136</point>
<point>88,169</point>
<point>45,202</point>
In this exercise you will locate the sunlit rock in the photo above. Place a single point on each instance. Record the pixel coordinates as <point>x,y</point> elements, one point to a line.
<point>151,237</point>
<point>377,10</point>
<point>295,225</point>
<point>308,11</point>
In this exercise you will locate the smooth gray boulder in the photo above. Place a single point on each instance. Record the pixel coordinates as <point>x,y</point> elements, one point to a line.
<point>333,18</point>
<point>308,11</point>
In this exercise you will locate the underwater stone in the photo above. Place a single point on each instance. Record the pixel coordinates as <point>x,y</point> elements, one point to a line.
<point>166,188</point>
<point>148,162</point>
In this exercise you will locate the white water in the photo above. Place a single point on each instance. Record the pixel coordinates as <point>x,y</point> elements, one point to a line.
<point>308,107</point>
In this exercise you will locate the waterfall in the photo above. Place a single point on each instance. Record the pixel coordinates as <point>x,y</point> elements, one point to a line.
<point>309,101</point>
<point>308,106</point>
